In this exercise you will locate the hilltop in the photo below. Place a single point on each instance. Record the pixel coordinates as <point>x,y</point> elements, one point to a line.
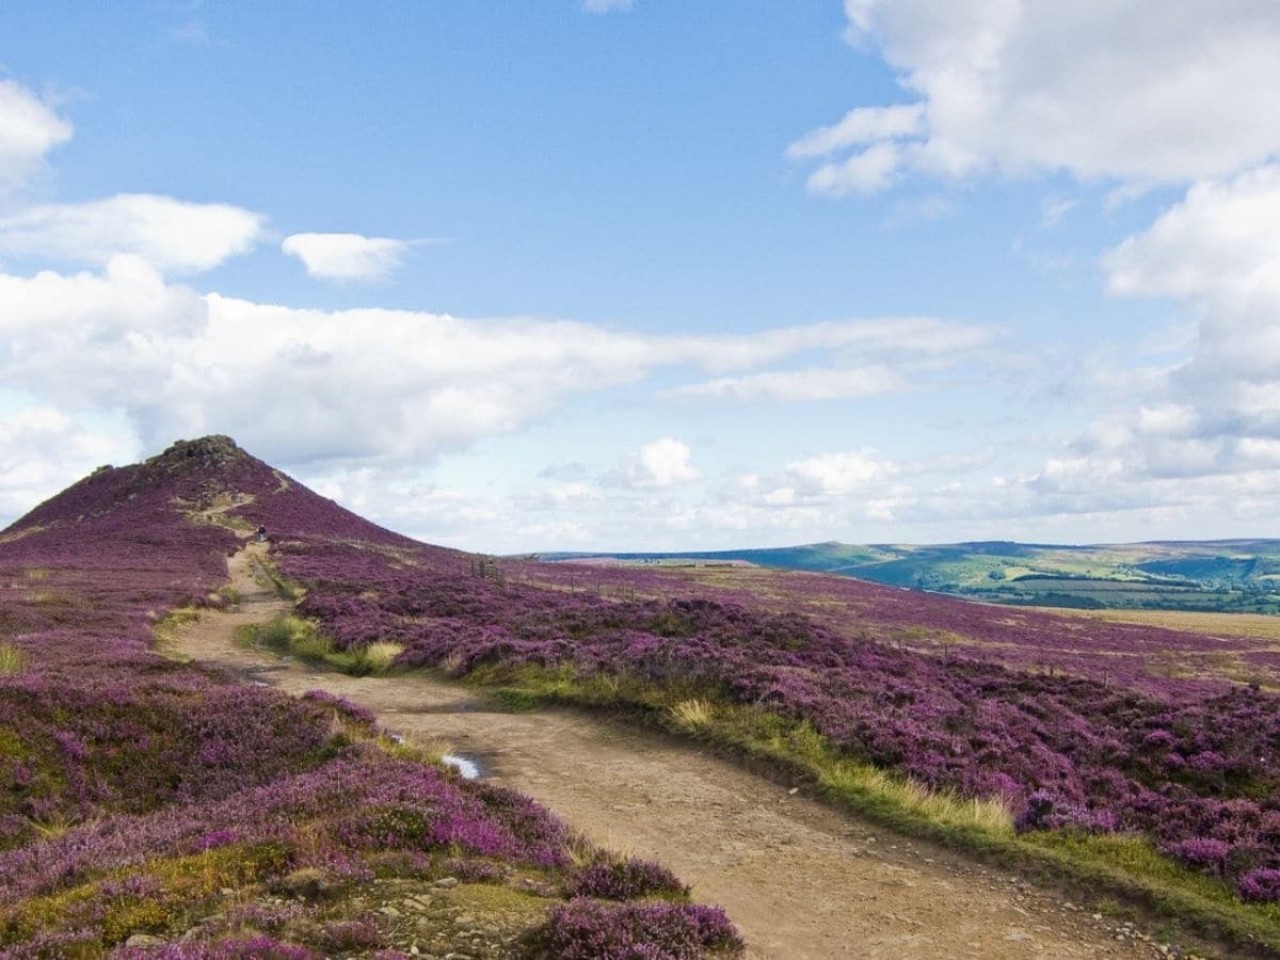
<point>158,809</point>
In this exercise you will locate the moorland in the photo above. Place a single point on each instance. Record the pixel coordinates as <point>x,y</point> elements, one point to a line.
<point>161,809</point>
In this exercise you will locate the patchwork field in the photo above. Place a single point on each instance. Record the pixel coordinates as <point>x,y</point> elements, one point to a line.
<point>1240,576</point>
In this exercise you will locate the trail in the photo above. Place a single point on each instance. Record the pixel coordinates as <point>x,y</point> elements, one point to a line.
<point>801,881</point>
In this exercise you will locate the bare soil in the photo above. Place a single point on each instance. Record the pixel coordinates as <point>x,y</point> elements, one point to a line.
<point>801,881</point>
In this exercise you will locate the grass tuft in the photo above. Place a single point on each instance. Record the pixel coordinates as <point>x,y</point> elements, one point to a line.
<point>302,638</point>
<point>692,714</point>
<point>12,662</point>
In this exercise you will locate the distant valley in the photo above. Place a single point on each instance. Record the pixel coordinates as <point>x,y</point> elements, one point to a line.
<point>1226,576</point>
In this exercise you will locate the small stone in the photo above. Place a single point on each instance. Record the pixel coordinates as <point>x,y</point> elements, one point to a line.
<point>143,940</point>
<point>444,883</point>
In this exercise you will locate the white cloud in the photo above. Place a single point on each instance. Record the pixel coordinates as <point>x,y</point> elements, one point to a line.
<point>861,126</point>
<point>606,6</point>
<point>665,462</point>
<point>41,448</point>
<point>1224,237</point>
<point>658,465</point>
<point>1201,434</point>
<point>346,256</point>
<point>799,385</point>
<point>367,385</point>
<point>171,235</point>
<point>840,474</point>
<point>29,129</point>
<point>1146,91</point>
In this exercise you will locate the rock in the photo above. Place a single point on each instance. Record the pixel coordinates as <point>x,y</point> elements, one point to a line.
<point>308,883</point>
<point>445,883</point>
<point>143,940</point>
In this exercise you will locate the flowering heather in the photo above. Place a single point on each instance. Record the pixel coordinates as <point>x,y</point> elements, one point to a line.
<point>1063,750</point>
<point>588,930</point>
<point>626,880</point>
<point>139,791</point>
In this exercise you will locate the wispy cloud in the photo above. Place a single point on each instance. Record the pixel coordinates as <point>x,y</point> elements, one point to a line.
<point>346,257</point>
<point>606,6</point>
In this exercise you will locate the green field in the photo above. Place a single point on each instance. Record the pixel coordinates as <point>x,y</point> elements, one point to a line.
<point>1219,576</point>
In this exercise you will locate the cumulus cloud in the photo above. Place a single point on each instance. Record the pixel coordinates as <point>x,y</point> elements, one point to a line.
<point>1201,433</point>
<point>840,474</point>
<point>1223,237</point>
<point>29,129</point>
<point>346,257</point>
<point>41,447</point>
<point>1219,251</point>
<point>367,385</point>
<point>172,235</point>
<point>1147,91</point>
<point>660,464</point>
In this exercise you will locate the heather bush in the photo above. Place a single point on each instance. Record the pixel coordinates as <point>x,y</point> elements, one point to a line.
<point>626,880</point>
<point>1261,885</point>
<point>348,935</point>
<point>588,930</point>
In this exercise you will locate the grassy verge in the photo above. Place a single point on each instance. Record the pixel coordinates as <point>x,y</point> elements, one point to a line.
<point>268,574</point>
<point>301,638</point>
<point>1122,868</point>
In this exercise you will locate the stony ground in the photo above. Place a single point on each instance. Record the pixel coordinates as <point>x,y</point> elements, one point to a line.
<point>801,881</point>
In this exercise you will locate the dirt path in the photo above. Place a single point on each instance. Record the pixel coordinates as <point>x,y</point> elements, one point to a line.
<point>800,880</point>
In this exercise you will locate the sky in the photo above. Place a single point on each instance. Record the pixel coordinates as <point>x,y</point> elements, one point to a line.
<point>533,275</point>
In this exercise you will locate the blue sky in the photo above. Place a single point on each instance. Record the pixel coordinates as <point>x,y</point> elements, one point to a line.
<point>591,275</point>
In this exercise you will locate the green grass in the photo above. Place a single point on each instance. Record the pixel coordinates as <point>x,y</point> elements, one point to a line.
<point>11,660</point>
<point>166,629</point>
<point>267,572</point>
<point>1122,867</point>
<point>302,638</point>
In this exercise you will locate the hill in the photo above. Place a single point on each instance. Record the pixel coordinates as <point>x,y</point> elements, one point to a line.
<point>1237,576</point>
<point>154,809</point>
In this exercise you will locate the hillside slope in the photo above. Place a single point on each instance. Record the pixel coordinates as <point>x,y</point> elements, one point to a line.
<point>153,809</point>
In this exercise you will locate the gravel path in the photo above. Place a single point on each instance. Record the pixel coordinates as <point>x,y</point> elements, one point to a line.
<point>802,881</point>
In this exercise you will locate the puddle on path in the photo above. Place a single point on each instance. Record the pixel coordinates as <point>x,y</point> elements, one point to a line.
<point>468,768</point>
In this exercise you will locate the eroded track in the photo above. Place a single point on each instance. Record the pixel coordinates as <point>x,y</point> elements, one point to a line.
<point>802,882</point>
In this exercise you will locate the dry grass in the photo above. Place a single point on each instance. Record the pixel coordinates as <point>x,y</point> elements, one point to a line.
<point>379,656</point>
<point>987,816</point>
<point>692,714</point>
<point>1259,626</point>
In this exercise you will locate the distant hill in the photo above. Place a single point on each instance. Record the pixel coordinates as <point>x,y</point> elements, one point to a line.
<point>1215,575</point>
